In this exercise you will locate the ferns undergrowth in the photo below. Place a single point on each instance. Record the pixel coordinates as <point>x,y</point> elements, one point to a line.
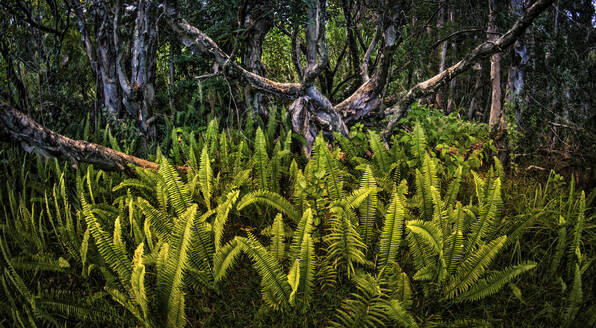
<point>254,234</point>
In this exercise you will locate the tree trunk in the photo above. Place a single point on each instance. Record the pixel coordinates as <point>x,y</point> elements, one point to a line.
<point>496,118</point>
<point>515,75</point>
<point>257,28</point>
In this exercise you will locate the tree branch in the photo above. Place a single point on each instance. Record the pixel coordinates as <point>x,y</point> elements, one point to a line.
<point>35,138</point>
<point>483,50</point>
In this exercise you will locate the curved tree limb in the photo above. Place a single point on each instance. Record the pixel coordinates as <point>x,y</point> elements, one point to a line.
<point>483,50</point>
<point>35,138</point>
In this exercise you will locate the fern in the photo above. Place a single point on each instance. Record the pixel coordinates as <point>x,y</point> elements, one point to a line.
<point>392,231</point>
<point>261,159</point>
<point>278,247</point>
<point>275,287</point>
<point>487,221</point>
<point>177,190</point>
<point>368,207</point>
<point>206,177</point>
<point>170,272</point>
<point>307,269</point>
<point>345,244</point>
<point>494,282</point>
<point>379,152</point>
<point>418,146</point>
<point>272,199</point>
<point>305,227</point>
<point>474,266</point>
<point>223,211</point>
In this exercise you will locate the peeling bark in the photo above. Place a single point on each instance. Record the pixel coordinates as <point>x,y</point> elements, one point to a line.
<point>496,108</point>
<point>35,138</point>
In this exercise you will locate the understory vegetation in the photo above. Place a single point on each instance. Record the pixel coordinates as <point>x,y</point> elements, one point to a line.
<point>240,228</point>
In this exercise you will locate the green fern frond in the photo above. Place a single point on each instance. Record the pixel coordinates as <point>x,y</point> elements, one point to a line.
<point>177,190</point>
<point>206,177</point>
<point>399,314</point>
<point>307,269</point>
<point>345,244</point>
<point>454,248</point>
<point>158,219</point>
<point>575,298</point>
<point>453,188</point>
<point>418,146</point>
<point>428,232</point>
<point>261,159</point>
<point>225,258</point>
<point>574,248</point>
<point>114,256</point>
<point>391,236</point>
<point>273,280</point>
<point>380,154</point>
<point>137,281</point>
<point>223,211</point>
<point>294,280</point>
<point>335,175</point>
<point>170,272</point>
<point>272,199</point>
<point>368,207</point>
<point>494,282</point>
<point>304,228</point>
<point>278,246</point>
<point>474,266</point>
<point>488,219</point>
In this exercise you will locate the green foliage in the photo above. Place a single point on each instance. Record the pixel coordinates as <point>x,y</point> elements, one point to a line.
<point>341,240</point>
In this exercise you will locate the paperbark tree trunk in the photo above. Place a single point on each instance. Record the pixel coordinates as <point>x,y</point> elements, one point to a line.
<point>257,24</point>
<point>496,111</point>
<point>515,75</point>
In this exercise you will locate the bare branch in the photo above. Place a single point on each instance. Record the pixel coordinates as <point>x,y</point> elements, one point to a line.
<point>483,50</point>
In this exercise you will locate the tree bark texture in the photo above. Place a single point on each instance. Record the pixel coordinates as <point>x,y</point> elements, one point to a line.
<point>496,108</point>
<point>35,138</point>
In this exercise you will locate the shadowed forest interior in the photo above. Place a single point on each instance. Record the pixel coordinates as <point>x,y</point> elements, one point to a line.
<point>297,163</point>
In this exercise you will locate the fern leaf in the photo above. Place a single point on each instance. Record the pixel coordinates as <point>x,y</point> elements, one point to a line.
<point>175,187</point>
<point>453,188</point>
<point>137,281</point>
<point>487,221</point>
<point>294,280</point>
<point>429,232</point>
<point>261,161</point>
<point>575,298</point>
<point>225,258</point>
<point>274,281</point>
<point>304,228</point>
<point>494,282</point>
<point>114,256</point>
<point>400,315</point>
<point>307,269</point>
<point>272,199</point>
<point>418,144</point>
<point>368,207</point>
<point>474,266</point>
<point>206,177</point>
<point>223,211</point>
<point>379,152</point>
<point>392,231</point>
<point>278,246</point>
<point>170,273</point>
<point>574,249</point>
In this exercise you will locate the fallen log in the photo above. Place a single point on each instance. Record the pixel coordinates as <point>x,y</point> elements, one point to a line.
<point>33,137</point>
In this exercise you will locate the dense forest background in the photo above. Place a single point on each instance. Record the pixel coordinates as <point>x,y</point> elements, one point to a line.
<point>298,163</point>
